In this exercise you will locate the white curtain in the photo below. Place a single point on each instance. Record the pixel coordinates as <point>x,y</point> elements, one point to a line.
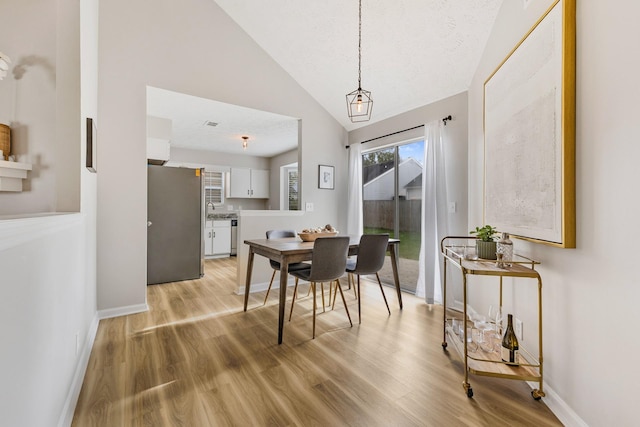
<point>354,207</point>
<point>434,214</point>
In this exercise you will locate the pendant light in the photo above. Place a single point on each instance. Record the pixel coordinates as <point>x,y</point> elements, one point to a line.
<point>245,142</point>
<point>359,102</point>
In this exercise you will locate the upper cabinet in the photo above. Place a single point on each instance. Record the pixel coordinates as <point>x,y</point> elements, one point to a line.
<point>249,183</point>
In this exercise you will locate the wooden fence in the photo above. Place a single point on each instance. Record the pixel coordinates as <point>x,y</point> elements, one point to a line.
<point>380,214</point>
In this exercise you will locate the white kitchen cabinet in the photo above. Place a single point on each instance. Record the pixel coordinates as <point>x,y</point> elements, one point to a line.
<point>249,183</point>
<point>217,238</point>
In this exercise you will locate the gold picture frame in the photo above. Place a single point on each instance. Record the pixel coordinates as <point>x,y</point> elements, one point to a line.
<point>529,133</point>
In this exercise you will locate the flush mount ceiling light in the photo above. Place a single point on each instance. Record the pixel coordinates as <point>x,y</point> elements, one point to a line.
<point>359,102</point>
<point>245,142</point>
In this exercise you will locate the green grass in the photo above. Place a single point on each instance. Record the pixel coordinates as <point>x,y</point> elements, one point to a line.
<point>409,241</point>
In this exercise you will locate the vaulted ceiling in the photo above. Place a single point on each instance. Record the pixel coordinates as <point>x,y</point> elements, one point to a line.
<point>414,52</point>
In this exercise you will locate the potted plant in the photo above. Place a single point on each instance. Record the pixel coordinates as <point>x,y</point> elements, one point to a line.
<point>485,243</point>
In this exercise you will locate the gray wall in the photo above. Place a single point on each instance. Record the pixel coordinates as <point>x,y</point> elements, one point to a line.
<point>169,47</point>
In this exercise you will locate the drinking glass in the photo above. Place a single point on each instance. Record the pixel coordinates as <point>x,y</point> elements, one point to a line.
<point>471,344</point>
<point>470,253</point>
<point>495,314</point>
<point>483,325</point>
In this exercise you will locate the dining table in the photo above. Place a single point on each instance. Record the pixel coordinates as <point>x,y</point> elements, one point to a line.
<point>292,249</point>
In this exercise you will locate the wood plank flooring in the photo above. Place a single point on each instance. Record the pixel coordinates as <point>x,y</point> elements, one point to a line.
<point>196,359</point>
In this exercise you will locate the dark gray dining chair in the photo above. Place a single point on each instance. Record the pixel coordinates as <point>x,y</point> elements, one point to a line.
<point>280,234</point>
<point>372,251</point>
<point>328,263</point>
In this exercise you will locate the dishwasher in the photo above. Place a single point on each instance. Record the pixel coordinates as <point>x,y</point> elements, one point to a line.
<point>234,237</point>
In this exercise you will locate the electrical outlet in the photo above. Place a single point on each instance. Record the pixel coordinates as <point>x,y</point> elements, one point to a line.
<point>308,207</point>
<point>518,330</point>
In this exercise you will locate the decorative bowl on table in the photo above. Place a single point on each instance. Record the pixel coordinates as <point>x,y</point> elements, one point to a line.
<point>311,234</point>
<point>310,237</point>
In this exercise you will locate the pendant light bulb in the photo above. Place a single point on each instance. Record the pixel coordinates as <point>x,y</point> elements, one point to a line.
<point>359,104</point>
<point>245,142</point>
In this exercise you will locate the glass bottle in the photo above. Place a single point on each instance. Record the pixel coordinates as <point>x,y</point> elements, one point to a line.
<point>505,247</point>
<point>510,347</point>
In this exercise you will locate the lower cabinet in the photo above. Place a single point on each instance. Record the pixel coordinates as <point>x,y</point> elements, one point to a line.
<point>217,237</point>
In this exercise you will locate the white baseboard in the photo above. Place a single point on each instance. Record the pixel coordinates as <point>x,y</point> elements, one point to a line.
<point>70,402</point>
<point>122,311</point>
<point>559,407</point>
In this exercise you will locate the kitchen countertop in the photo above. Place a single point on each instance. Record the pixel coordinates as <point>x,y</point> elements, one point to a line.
<point>222,215</point>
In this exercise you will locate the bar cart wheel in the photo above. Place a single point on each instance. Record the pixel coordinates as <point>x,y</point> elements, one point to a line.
<point>444,345</point>
<point>537,394</point>
<point>468,389</point>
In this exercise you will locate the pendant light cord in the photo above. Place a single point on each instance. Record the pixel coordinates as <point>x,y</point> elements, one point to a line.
<point>359,43</point>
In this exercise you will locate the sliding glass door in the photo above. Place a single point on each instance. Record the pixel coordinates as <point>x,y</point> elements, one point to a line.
<point>392,203</point>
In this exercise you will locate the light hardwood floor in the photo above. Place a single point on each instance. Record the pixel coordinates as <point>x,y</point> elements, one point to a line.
<point>196,359</point>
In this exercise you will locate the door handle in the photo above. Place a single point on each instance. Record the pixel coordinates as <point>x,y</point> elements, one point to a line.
<point>149,223</point>
<point>209,234</point>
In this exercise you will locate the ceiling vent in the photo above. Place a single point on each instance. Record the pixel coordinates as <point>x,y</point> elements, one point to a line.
<point>210,123</point>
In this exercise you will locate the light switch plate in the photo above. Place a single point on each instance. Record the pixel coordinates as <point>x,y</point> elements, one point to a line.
<point>452,207</point>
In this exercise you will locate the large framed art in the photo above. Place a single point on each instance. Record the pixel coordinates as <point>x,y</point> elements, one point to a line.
<point>529,130</point>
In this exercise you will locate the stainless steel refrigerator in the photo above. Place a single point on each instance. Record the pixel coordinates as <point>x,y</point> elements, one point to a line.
<point>175,224</point>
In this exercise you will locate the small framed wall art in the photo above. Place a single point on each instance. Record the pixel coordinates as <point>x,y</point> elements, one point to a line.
<point>92,139</point>
<point>326,177</point>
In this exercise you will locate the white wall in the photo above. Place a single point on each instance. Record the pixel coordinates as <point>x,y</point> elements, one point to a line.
<point>198,50</point>
<point>590,293</point>
<point>48,314</point>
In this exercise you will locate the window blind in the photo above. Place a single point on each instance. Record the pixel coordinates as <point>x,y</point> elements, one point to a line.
<point>213,187</point>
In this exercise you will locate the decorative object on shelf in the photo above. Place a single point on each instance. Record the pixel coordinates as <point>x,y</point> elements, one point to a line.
<point>510,347</point>
<point>325,177</point>
<point>485,243</point>
<point>4,65</point>
<point>92,140</point>
<point>245,142</point>
<point>529,122</point>
<point>359,102</point>
<point>504,247</point>
<point>5,141</point>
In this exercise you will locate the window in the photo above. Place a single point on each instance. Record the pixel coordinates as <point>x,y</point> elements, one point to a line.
<point>213,187</point>
<point>292,180</point>
<point>289,187</point>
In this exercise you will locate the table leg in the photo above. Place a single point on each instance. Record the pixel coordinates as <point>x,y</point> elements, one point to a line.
<point>284,273</point>
<point>248,281</point>
<point>394,265</point>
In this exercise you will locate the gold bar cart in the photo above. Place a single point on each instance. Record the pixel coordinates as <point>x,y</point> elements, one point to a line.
<point>481,362</point>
